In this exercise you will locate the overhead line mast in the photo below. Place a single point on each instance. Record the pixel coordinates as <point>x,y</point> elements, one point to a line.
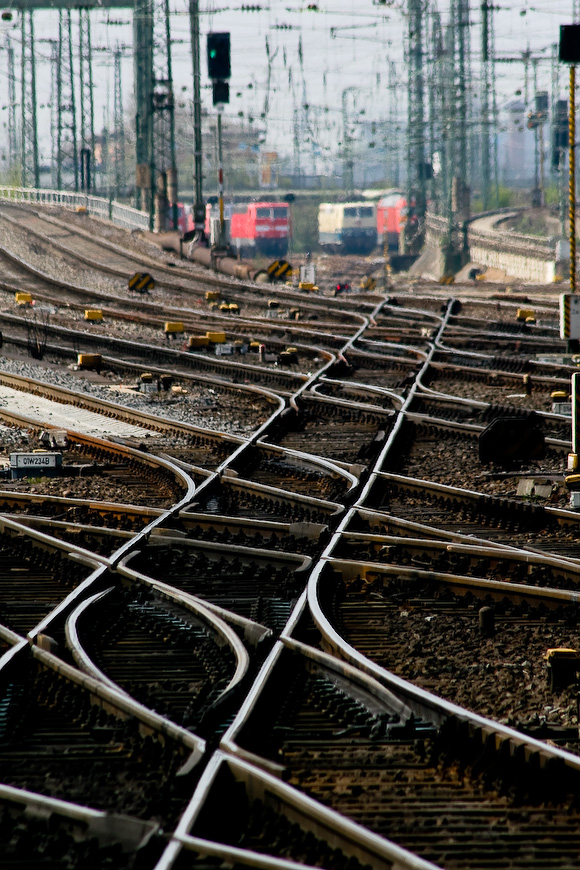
<point>30,171</point>
<point>416,180</point>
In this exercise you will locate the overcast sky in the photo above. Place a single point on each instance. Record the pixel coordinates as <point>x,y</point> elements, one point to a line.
<point>314,55</point>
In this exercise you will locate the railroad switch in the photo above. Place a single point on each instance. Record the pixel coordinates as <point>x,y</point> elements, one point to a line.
<point>562,667</point>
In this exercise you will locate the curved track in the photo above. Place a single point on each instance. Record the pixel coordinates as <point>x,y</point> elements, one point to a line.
<point>275,611</point>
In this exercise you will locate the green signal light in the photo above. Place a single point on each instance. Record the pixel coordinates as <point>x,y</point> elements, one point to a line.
<point>213,53</point>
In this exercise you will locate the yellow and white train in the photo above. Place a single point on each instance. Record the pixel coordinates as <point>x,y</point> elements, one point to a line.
<point>347,227</point>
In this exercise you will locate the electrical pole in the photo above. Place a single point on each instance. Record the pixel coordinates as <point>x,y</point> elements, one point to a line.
<point>416,186</point>
<point>163,169</point>
<point>460,25</point>
<point>66,133</point>
<point>434,42</point>
<point>198,204</point>
<point>30,173</point>
<point>13,131</point>
<point>347,161</point>
<point>54,109</point>
<point>87,110</point>
<point>143,77</point>
<point>119,127</point>
<point>394,148</point>
<point>296,142</point>
<point>485,93</point>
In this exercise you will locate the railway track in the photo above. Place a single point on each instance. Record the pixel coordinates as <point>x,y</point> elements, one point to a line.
<point>262,640</point>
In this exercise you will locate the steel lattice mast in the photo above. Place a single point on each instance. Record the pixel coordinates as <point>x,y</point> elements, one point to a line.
<point>30,174</point>
<point>460,29</point>
<point>119,126</point>
<point>54,110</point>
<point>416,181</point>
<point>143,78</point>
<point>14,147</point>
<point>67,146</point>
<point>87,110</point>
<point>198,205</point>
<point>486,84</point>
<point>162,129</point>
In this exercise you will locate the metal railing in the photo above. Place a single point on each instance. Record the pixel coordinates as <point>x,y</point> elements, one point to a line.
<point>121,215</point>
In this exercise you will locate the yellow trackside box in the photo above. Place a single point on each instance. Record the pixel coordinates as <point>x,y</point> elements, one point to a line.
<point>234,308</point>
<point>173,328</point>
<point>216,337</point>
<point>89,360</point>
<point>213,296</point>
<point>570,315</point>
<point>93,314</point>
<point>197,341</point>
<point>23,298</point>
<point>524,313</point>
<point>306,285</point>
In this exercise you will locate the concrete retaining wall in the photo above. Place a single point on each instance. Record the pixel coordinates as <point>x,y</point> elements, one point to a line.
<point>527,258</point>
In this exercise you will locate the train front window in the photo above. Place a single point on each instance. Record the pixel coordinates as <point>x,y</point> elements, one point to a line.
<point>350,211</point>
<point>365,211</point>
<point>280,212</point>
<point>263,212</point>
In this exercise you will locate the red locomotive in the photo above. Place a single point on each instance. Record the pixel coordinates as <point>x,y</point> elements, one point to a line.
<point>391,214</point>
<point>255,229</point>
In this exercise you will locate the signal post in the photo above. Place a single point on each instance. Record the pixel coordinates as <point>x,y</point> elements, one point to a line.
<point>219,71</point>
